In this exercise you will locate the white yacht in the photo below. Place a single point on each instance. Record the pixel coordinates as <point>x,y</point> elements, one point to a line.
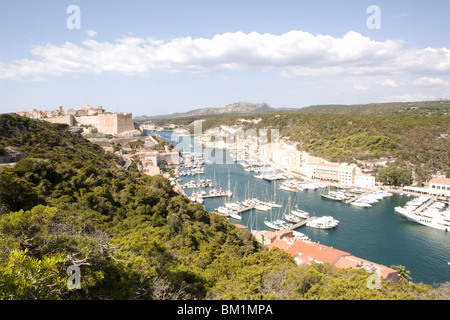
<point>273,204</point>
<point>223,210</point>
<point>300,213</point>
<point>432,216</point>
<point>325,222</point>
<point>262,207</point>
<point>235,216</point>
<point>360,203</point>
<point>292,218</point>
<point>272,225</point>
<point>288,188</point>
<point>300,236</point>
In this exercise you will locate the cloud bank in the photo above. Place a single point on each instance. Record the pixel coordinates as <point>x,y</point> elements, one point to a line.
<point>295,53</point>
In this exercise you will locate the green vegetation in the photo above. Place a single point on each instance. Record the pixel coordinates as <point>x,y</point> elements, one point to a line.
<point>395,176</point>
<point>161,144</point>
<point>69,203</point>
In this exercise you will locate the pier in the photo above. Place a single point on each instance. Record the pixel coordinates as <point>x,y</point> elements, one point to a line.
<point>243,210</point>
<point>354,198</point>
<point>301,223</point>
<point>425,205</point>
<point>218,195</point>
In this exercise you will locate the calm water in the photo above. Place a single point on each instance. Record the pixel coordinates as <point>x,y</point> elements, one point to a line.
<point>376,234</point>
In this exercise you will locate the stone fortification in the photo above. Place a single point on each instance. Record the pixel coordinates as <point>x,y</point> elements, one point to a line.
<point>106,123</point>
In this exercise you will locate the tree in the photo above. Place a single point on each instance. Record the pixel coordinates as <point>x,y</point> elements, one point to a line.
<point>403,273</point>
<point>25,277</point>
<point>17,193</point>
<point>395,176</point>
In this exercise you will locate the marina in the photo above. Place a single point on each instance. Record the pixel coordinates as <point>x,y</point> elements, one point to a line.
<point>377,233</point>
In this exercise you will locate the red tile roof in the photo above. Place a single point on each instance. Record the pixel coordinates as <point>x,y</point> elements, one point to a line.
<point>279,244</point>
<point>358,263</point>
<point>440,181</point>
<point>311,251</point>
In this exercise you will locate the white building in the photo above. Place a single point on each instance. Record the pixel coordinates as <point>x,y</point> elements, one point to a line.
<point>440,187</point>
<point>364,181</point>
<point>332,172</point>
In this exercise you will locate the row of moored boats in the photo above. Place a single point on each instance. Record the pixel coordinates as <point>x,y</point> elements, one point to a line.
<point>426,211</point>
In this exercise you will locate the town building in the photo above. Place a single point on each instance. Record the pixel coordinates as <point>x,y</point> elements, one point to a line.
<point>364,181</point>
<point>282,155</point>
<point>150,169</point>
<point>332,172</point>
<point>439,187</point>
<point>309,252</point>
<point>150,158</point>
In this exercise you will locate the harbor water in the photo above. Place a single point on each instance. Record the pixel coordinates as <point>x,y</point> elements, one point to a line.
<point>377,234</point>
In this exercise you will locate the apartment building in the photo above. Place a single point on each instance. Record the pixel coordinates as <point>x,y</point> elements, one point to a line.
<point>439,187</point>
<point>332,172</point>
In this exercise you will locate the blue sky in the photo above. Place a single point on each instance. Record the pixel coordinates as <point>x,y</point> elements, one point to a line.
<point>159,57</point>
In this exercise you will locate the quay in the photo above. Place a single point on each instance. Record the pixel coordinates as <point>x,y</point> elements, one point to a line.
<point>243,209</point>
<point>218,195</point>
<point>238,212</point>
<point>425,205</point>
<point>301,223</point>
<point>357,197</point>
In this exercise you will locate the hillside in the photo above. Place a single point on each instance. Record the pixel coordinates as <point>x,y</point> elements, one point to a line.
<point>437,107</point>
<point>418,108</point>
<point>239,107</point>
<point>69,203</point>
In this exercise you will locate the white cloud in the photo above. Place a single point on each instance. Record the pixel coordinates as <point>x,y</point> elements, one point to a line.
<point>91,33</point>
<point>360,87</point>
<point>389,83</point>
<point>431,82</point>
<point>413,97</point>
<point>295,53</point>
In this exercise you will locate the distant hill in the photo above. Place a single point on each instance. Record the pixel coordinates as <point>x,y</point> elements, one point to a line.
<point>238,107</point>
<point>437,107</point>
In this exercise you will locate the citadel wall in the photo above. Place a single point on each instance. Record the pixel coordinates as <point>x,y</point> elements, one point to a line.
<point>67,119</point>
<point>113,123</point>
<point>106,123</point>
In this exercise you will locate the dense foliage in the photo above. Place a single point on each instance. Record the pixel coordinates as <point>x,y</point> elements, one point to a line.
<point>134,238</point>
<point>395,176</point>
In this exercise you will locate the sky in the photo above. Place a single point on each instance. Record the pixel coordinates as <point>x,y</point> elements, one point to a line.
<point>159,57</point>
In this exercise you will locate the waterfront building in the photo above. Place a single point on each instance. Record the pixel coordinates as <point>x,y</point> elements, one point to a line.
<point>364,181</point>
<point>439,187</point>
<point>332,172</point>
<point>282,155</point>
<point>309,252</point>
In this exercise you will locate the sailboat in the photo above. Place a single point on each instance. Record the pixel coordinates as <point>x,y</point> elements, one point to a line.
<point>273,203</point>
<point>300,213</point>
<point>234,206</point>
<point>229,193</point>
<point>332,196</point>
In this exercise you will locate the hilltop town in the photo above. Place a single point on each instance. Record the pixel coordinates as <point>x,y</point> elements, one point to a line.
<point>90,119</point>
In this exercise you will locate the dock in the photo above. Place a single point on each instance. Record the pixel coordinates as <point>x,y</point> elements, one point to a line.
<point>243,209</point>
<point>425,205</point>
<point>215,195</point>
<point>348,201</point>
<point>301,223</point>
